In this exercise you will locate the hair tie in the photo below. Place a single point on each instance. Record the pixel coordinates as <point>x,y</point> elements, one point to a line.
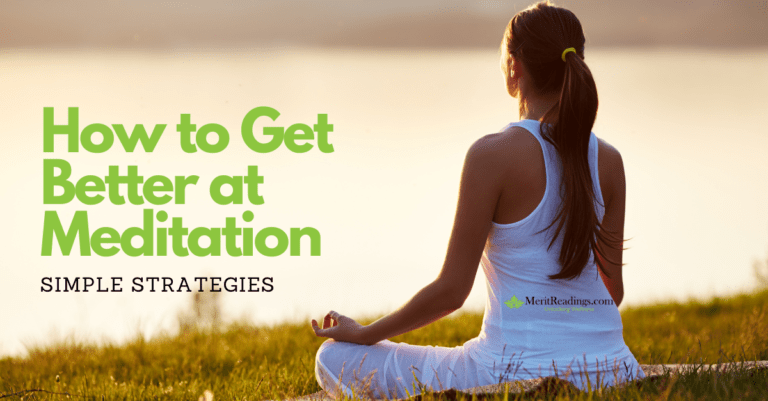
<point>570,49</point>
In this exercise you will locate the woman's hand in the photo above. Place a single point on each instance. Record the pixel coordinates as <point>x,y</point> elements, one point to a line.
<point>341,328</point>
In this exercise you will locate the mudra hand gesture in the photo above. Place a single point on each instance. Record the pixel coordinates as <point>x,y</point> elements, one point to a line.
<point>340,328</point>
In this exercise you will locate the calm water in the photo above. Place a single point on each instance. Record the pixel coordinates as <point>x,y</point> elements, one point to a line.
<point>690,126</point>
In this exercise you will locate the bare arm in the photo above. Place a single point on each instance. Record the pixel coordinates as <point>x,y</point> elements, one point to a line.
<point>613,221</point>
<point>479,192</point>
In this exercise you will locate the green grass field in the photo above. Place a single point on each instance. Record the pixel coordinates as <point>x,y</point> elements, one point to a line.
<point>257,363</point>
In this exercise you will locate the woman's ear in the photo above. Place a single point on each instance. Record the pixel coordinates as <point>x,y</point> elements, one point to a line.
<point>514,72</point>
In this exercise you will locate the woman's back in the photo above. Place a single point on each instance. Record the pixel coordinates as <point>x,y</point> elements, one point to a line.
<point>534,212</point>
<point>532,321</point>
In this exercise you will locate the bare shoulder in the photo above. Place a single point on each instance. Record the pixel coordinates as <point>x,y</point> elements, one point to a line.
<point>514,145</point>
<point>611,169</point>
<point>608,152</point>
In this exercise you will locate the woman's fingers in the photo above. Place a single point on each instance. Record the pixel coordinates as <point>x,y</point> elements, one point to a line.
<point>318,331</point>
<point>313,324</point>
<point>332,327</point>
<point>330,320</point>
<point>321,331</point>
<point>327,321</point>
<point>336,317</point>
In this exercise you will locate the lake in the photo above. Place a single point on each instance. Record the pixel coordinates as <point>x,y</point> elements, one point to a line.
<point>688,122</point>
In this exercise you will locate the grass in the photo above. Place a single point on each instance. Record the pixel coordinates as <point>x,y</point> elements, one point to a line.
<point>258,363</point>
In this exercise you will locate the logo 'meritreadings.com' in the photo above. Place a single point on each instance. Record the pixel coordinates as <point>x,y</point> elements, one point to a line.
<point>572,303</point>
<point>514,303</point>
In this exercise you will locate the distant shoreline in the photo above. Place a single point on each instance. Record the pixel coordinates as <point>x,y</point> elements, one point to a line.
<point>276,49</point>
<point>347,23</point>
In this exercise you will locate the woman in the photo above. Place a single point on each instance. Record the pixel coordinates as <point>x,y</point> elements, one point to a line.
<point>535,206</point>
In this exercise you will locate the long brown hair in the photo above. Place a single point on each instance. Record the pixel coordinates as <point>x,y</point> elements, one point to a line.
<point>537,37</point>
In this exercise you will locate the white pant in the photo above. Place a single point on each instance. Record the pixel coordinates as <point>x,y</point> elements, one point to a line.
<point>395,370</point>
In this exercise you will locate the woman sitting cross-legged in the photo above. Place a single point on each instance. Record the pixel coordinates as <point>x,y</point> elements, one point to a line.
<point>541,208</point>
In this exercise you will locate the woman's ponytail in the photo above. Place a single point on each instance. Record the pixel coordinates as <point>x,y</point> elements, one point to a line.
<point>549,41</point>
<point>568,128</point>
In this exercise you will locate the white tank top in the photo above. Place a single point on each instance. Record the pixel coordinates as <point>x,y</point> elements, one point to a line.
<point>523,325</point>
